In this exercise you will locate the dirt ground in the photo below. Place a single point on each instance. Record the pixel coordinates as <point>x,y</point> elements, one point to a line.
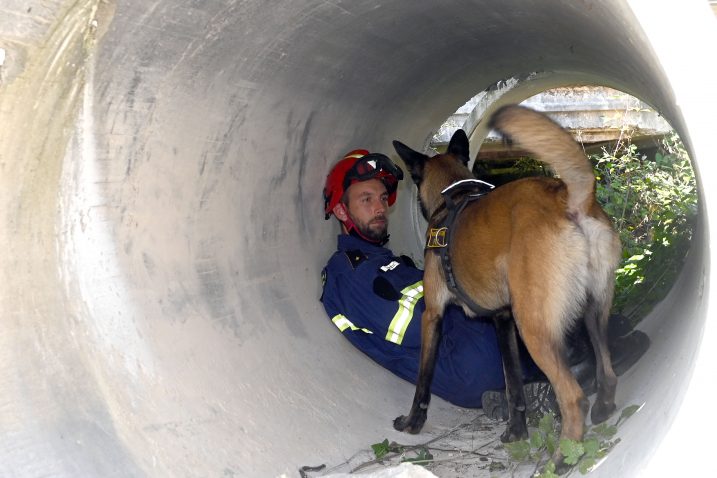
<point>469,448</point>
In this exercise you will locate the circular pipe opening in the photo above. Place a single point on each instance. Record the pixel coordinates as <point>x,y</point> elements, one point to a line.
<point>653,209</point>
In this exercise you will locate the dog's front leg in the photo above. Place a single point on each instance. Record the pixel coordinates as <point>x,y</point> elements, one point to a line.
<point>508,345</point>
<point>430,336</point>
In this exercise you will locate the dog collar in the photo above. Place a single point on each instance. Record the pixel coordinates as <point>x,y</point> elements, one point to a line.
<point>476,185</point>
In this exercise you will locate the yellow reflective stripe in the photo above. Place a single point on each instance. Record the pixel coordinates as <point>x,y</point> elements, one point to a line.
<point>343,323</point>
<point>411,295</point>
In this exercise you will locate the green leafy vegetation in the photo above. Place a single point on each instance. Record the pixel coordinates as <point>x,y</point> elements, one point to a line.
<point>456,450</point>
<point>382,449</point>
<point>653,204</point>
<point>422,457</point>
<point>544,441</point>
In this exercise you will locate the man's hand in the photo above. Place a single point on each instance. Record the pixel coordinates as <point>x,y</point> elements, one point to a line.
<point>384,289</point>
<point>407,261</point>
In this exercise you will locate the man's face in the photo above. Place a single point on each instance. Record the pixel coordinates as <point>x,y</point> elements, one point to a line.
<point>367,207</point>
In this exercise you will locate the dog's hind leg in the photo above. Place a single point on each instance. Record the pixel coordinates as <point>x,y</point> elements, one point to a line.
<point>545,347</point>
<point>596,317</point>
<point>604,256</point>
<point>508,345</point>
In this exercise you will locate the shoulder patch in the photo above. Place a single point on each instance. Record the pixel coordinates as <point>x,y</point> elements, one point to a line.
<point>390,266</point>
<point>355,257</point>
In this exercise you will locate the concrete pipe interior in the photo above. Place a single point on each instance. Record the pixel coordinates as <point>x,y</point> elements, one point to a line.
<point>161,164</point>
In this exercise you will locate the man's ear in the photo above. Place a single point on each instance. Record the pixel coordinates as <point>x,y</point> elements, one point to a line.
<point>458,146</point>
<point>414,160</point>
<point>340,212</point>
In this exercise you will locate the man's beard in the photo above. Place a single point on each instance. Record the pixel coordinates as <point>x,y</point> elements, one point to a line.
<point>374,229</point>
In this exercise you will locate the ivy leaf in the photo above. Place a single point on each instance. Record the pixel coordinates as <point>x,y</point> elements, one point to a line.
<point>627,413</point>
<point>547,424</point>
<point>519,450</point>
<point>422,457</point>
<point>548,470</point>
<point>551,443</point>
<point>592,446</point>
<point>380,449</point>
<point>586,464</point>
<point>395,447</point>
<point>605,430</point>
<point>537,440</point>
<point>571,450</point>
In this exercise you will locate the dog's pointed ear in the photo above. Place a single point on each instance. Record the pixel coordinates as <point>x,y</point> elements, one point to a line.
<point>458,146</point>
<point>413,159</point>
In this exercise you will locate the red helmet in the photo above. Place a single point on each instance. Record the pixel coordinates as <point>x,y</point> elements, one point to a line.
<point>360,165</point>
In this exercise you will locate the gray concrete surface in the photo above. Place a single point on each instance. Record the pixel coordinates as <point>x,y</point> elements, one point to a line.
<point>162,228</point>
<point>593,114</point>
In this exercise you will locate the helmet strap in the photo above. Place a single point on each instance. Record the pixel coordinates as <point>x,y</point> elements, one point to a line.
<point>352,230</point>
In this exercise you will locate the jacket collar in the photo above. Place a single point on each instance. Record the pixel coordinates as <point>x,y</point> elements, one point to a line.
<point>347,242</point>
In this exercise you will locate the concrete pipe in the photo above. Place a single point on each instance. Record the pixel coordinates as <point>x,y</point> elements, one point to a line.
<point>161,165</point>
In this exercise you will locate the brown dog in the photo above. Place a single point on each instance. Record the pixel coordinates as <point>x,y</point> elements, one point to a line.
<point>539,250</point>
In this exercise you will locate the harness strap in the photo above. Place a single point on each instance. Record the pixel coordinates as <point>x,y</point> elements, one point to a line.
<point>456,196</point>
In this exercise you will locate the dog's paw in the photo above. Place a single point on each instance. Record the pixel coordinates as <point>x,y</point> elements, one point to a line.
<point>516,429</point>
<point>401,423</point>
<point>601,411</point>
<point>514,432</point>
<point>406,424</point>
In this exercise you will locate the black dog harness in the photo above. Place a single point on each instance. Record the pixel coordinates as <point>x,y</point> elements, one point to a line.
<point>440,232</point>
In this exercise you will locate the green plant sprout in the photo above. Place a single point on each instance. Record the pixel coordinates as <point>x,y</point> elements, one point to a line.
<point>382,449</point>
<point>586,454</point>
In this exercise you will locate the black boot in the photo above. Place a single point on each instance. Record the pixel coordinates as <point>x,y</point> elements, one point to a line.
<point>626,347</point>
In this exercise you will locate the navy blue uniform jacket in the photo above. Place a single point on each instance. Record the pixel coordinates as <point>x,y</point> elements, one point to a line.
<point>386,325</point>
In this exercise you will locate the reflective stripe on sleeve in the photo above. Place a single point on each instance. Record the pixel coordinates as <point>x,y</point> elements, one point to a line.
<point>343,323</point>
<point>406,304</point>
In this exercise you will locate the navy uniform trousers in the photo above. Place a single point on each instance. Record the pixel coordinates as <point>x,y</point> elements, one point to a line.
<point>376,300</point>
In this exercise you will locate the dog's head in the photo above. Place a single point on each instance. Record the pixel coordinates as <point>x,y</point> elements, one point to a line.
<point>433,174</point>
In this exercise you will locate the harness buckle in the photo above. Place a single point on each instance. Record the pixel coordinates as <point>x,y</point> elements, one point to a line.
<point>437,238</point>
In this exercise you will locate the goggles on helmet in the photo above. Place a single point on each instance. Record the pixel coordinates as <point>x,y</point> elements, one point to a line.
<point>371,166</point>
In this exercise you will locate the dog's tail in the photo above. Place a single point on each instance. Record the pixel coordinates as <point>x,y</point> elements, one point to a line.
<point>553,145</point>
